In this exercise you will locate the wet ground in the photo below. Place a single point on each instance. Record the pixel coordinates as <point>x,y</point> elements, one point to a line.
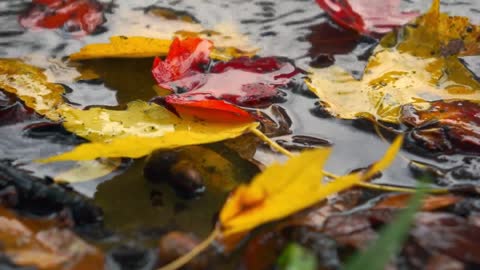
<point>296,29</point>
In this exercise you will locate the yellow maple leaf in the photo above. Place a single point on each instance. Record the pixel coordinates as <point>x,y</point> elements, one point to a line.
<point>281,190</point>
<point>31,86</point>
<point>415,67</point>
<point>138,130</point>
<point>141,47</point>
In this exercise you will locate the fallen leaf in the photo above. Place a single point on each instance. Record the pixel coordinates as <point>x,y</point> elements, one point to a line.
<point>80,17</point>
<point>205,107</point>
<point>141,47</point>
<point>138,130</point>
<point>89,170</point>
<point>31,86</point>
<point>269,196</point>
<point>447,234</point>
<point>390,240</point>
<point>39,243</point>
<point>445,126</point>
<point>185,59</point>
<point>241,81</point>
<point>429,203</point>
<point>124,47</point>
<point>405,69</point>
<point>367,16</point>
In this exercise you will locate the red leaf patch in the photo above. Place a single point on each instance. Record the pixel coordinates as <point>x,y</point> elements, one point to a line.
<point>76,16</point>
<point>367,16</point>
<point>207,90</point>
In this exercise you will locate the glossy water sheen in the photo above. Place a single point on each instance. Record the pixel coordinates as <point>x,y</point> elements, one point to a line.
<point>296,29</point>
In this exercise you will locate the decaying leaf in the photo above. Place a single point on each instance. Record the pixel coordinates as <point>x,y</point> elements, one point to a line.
<point>411,68</point>
<point>31,86</point>
<point>281,190</point>
<point>445,126</point>
<point>141,47</point>
<point>429,203</point>
<point>75,16</point>
<point>138,130</point>
<point>367,16</point>
<point>38,243</point>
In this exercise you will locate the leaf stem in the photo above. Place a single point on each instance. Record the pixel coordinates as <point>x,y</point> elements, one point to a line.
<point>328,174</point>
<point>184,259</point>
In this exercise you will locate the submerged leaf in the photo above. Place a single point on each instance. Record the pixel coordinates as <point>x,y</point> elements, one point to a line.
<point>31,86</point>
<point>88,170</point>
<point>367,16</point>
<point>445,126</point>
<point>138,130</point>
<point>76,16</point>
<point>408,69</point>
<point>281,190</point>
<point>40,243</point>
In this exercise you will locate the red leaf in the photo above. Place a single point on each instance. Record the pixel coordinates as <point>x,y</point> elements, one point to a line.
<point>207,95</point>
<point>367,16</point>
<point>207,108</point>
<point>445,126</point>
<point>78,16</point>
<point>184,60</point>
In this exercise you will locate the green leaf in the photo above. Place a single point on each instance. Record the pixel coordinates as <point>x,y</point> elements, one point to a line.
<point>390,240</point>
<point>296,257</point>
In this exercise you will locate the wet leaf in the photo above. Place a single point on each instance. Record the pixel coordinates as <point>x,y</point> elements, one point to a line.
<point>367,16</point>
<point>39,243</point>
<point>447,234</point>
<point>141,47</point>
<point>88,170</point>
<point>429,203</point>
<point>445,126</point>
<point>271,195</point>
<point>80,17</point>
<point>390,240</point>
<point>203,107</point>
<point>138,130</point>
<point>406,69</point>
<point>124,47</point>
<point>31,86</point>
<point>296,257</point>
<point>202,93</point>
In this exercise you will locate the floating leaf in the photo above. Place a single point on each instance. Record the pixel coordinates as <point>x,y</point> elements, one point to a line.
<point>204,107</point>
<point>124,47</point>
<point>241,81</point>
<point>138,130</point>
<point>367,16</point>
<point>281,190</point>
<point>76,16</point>
<point>31,86</point>
<point>138,47</point>
<point>402,70</point>
<point>445,126</point>
<point>184,60</point>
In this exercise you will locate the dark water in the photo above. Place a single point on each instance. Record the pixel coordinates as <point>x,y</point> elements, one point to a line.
<point>296,29</point>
